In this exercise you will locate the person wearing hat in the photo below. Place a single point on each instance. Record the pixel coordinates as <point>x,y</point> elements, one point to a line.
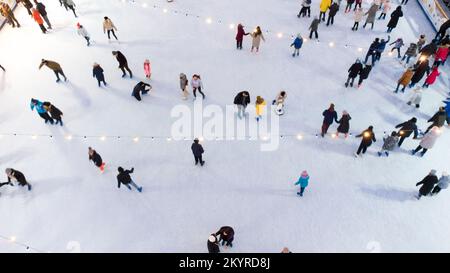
<point>55,67</point>
<point>147,69</point>
<point>442,183</point>
<point>226,234</point>
<point>427,184</point>
<point>97,72</point>
<point>368,136</point>
<point>213,245</point>
<point>16,176</point>
<point>83,33</point>
<point>124,178</point>
<point>406,129</point>
<point>197,150</point>
<point>344,124</point>
<point>240,36</point>
<point>43,113</point>
<point>297,44</point>
<point>303,182</point>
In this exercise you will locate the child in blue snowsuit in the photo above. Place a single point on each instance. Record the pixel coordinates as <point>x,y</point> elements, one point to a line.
<point>41,110</point>
<point>303,182</point>
<point>297,44</point>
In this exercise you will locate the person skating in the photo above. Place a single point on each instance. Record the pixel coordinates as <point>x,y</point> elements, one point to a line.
<point>416,97</point>
<point>41,110</point>
<point>358,4</point>
<point>353,72</point>
<point>2,68</point>
<point>96,159</point>
<point>420,70</point>
<point>69,4</point>
<point>371,14</point>
<point>297,44</point>
<point>257,36</point>
<point>184,83</point>
<point>404,2</point>
<point>242,100</point>
<point>372,51</point>
<point>407,128</point>
<point>438,119</point>
<point>442,30</point>
<point>441,54</point>
<point>428,50</point>
<point>83,33</point>
<point>260,105</point>
<point>226,235</point>
<point>364,73</point>
<point>197,85</point>
<point>410,52</point>
<point>344,124</point>
<point>141,88</point>
<point>123,63</point>
<point>324,6</point>
<point>18,177</point>
<point>395,16</point>
<point>197,150</point>
<point>213,245</point>
<point>431,77</point>
<point>314,27</point>
<point>368,136</point>
<point>427,141</point>
<point>109,28</point>
<point>380,49</point>
<point>5,11</point>
<point>279,103</point>
<point>38,19</point>
<point>421,42</point>
<point>405,79</point>
<point>349,5</point>
<point>389,144</point>
<point>427,184</point>
<point>240,36</point>
<point>27,5</point>
<point>447,109</point>
<point>329,115</point>
<point>55,67</point>
<point>397,46</point>
<point>442,183</point>
<point>306,9</point>
<point>303,182</point>
<point>359,14</point>
<point>42,10</point>
<point>97,72</point>
<point>124,178</point>
<point>55,113</point>
<point>334,8</point>
<point>386,8</point>
<point>147,69</point>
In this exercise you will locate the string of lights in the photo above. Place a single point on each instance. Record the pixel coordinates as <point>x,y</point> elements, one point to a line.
<point>27,247</point>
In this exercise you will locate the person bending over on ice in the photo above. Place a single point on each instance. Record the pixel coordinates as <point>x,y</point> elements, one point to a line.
<point>16,176</point>
<point>303,182</point>
<point>442,183</point>
<point>41,110</point>
<point>55,113</point>
<point>226,234</point>
<point>124,178</point>
<point>55,67</point>
<point>141,87</point>
<point>427,184</point>
<point>97,159</point>
<point>123,63</point>
<point>389,144</point>
<point>197,150</point>
<point>368,136</point>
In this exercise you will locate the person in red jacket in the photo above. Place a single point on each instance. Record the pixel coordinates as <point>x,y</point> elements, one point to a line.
<point>432,77</point>
<point>240,36</point>
<point>441,55</point>
<point>37,17</point>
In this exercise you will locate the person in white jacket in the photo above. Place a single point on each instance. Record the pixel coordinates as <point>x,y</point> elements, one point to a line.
<point>83,33</point>
<point>428,141</point>
<point>416,97</point>
<point>386,8</point>
<point>359,14</point>
<point>197,85</point>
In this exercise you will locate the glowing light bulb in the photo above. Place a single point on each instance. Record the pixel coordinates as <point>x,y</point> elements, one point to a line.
<point>136,139</point>
<point>201,139</point>
<point>165,10</point>
<point>360,49</point>
<point>169,139</point>
<point>208,20</point>
<point>144,5</point>
<point>333,135</point>
<point>331,44</point>
<point>34,137</point>
<point>231,26</point>
<point>69,137</point>
<point>103,138</point>
<point>299,137</point>
<point>280,35</point>
<point>13,239</point>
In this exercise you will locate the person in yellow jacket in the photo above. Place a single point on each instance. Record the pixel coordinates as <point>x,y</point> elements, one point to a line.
<point>324,6</point>
<point>260,105</point>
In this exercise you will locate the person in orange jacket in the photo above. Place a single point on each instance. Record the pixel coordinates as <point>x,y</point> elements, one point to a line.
<point>37,17</point>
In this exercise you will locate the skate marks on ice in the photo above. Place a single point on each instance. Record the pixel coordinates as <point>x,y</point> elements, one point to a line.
<point>78,93</point>
<point>389,193</point>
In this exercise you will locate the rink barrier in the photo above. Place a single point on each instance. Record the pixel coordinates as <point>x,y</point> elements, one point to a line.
<point>436,12</point>
<point>13,5</point>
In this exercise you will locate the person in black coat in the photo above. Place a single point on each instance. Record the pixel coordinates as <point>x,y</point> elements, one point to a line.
<point>55,113</point>
<point>97,159</point>
<point>198,151</point>
<point>419,71</point>
<point>242,99</point>
<point>442,30</point>
<point>368,136</point>
<point>344,124</point>
<point>124,178</point>
<point>141,87</point>
<point>213,245</point>
<point>2,68</point>
<point>395,16</point>
<point>334,8</point>
<point>372,50</point>
<point>226,234</point>
<point>329,115</point>
<point>364,74</point>
<point>123,63</point>
<point>43,12</point>
<point>353,72</point>
<point>428,50</point>
<point>427,184</point>
<point>438,119</point>
<point>16,176</point>
<point>406,129</point>
<point>97,72</point>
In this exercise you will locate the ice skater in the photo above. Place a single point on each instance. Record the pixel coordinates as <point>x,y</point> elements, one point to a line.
<point>17,176</point>
<point>41,110</point>
<point>96,159</point>
<point>368,136</point>
<point>303,182</point>
<point>427,184</point>
<point>124,178</point>
<point>55,67</point>
<point>226,235</point>
<point>123,63</point>
<point>197,150</point>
